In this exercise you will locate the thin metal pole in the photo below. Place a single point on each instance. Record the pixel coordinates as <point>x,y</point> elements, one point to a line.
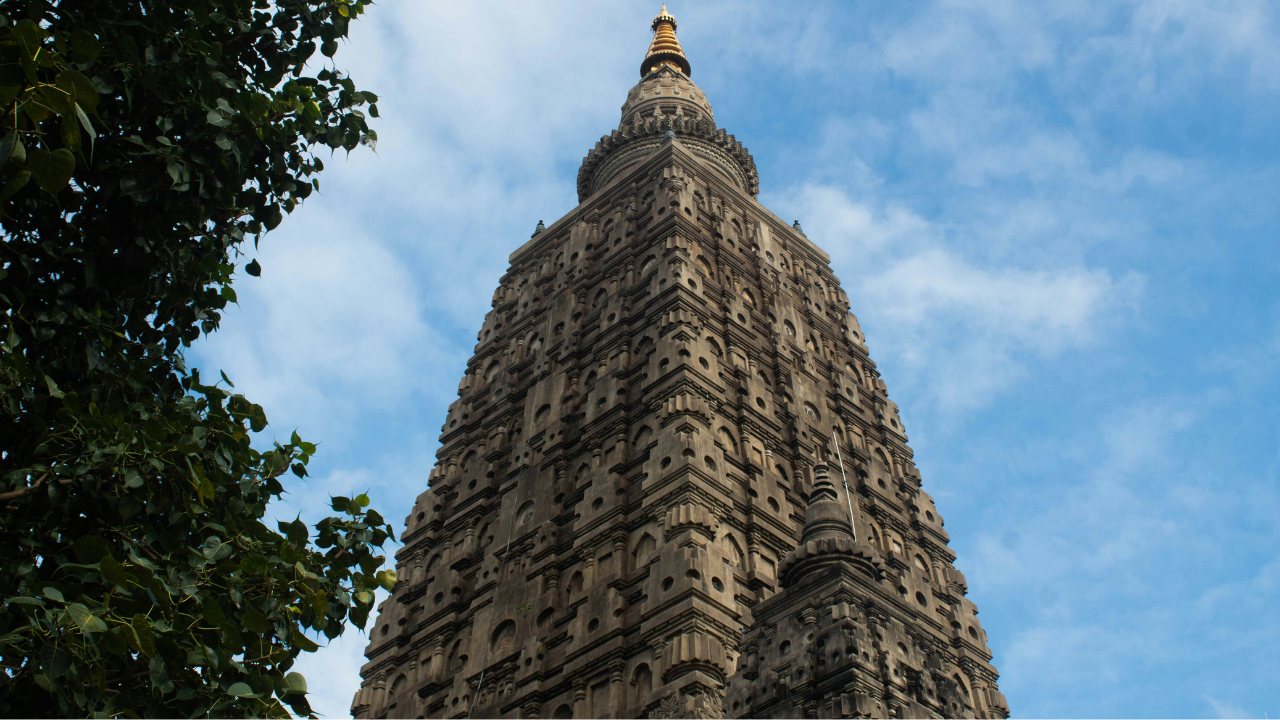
<point>511,526</point>
<point>847,496</point>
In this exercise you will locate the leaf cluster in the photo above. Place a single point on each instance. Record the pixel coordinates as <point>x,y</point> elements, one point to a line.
<point>143,141</point>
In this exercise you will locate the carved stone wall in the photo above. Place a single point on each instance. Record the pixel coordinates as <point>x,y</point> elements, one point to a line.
<point>628,465</point>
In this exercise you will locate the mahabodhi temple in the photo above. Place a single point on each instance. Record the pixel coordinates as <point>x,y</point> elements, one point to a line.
<point>673,484</point>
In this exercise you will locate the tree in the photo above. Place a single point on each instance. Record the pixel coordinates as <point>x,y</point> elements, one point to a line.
<point>143,142</point>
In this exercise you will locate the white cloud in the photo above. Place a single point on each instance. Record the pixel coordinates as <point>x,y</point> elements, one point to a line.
<point>961,326</point>
<point>1043,310</point>
<point>966,326</point>
<point>332,329</point>
<point>1226,708</point>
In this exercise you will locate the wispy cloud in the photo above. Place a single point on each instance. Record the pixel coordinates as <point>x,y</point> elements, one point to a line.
<point>960,326</point>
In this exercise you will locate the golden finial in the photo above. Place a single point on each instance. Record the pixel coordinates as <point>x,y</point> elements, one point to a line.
<point>665,48</point>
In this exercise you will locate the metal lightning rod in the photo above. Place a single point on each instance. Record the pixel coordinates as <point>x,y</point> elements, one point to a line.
<point>847,496</point>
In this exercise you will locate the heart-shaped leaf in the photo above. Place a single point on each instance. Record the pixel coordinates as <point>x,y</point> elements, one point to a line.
<point>52,170</point>
<point>241,690</point>
<point>297,683</point>
<point>146,638</point>
<point>86,619</point>
<point>79,87</point>
<point>7,146</point>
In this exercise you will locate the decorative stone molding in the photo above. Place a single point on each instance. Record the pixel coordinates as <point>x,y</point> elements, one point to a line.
<point>626,145</point>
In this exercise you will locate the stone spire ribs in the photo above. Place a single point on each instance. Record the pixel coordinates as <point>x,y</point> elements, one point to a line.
<point>631,514</point>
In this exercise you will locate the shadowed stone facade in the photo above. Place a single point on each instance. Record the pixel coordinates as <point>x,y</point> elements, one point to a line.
<point>632,513</point>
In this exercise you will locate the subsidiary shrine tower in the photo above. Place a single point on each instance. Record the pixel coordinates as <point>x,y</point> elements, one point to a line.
<point>673,484</point>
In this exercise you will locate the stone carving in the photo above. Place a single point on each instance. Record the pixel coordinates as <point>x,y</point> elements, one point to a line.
<point>637,509</point>
<point>702,703</point>
<point>671,706</point>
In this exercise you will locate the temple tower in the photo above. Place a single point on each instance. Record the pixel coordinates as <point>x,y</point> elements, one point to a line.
<point>633,513</point>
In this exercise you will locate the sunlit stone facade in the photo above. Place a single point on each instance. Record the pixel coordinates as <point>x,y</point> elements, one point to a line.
<point>633,512</point>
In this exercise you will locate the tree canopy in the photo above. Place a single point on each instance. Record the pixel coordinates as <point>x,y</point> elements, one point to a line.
<point>144,141</point>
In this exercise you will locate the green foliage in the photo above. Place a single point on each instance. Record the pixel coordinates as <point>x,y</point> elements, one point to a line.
<point>142,141</point>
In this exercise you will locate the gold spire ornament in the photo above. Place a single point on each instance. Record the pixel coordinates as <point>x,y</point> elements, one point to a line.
<point>665,48</point>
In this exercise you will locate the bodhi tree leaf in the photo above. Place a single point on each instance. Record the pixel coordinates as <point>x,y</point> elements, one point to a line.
<point>387,579</point>
<point>15,183</point>
<point>85,45</point>
<point>90,548</point>
<point>52,170</point>
<point>7,146</point>
<point>85,619</point>
<point>145,637</point>
<point>115,574</point>
<point>55,99</point>
<point>240,690</point>
<point>256,621</point>
<point>303,641</point>
<point>79,88</point>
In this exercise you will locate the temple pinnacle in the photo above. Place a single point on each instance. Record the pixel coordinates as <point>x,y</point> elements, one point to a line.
<point>665,48</point>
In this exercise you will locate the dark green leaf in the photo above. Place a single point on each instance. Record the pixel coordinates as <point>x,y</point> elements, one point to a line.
<point>212,611</point>
<point>30,35</point>
<point>85,619</point>
<point>91,548</point>
<point>115,574</point>
<point>241,690</point>
<point>145,637</point>
<point>55,98</point>
<point>7,146</point>
<point>303,642</point>
<point>79,88</point>
<point>85,45</point>
<point>52,170</point>
<point>253,268</point>
<point>55,660</point>
<point>15,183</point>
<point>256,622</point>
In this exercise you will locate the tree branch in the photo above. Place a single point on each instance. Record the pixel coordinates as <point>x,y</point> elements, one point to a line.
<point>14,494</point>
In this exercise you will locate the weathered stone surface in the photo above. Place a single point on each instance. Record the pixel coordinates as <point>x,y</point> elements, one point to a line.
<point>633,514</point>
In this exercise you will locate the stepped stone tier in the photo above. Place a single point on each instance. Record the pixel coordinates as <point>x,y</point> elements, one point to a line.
<point>634,513</point>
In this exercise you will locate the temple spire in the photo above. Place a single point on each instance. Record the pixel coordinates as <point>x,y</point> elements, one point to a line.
<point>665,48</point>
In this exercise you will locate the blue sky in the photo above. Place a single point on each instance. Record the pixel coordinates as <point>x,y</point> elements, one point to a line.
<point>1057,224</point>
